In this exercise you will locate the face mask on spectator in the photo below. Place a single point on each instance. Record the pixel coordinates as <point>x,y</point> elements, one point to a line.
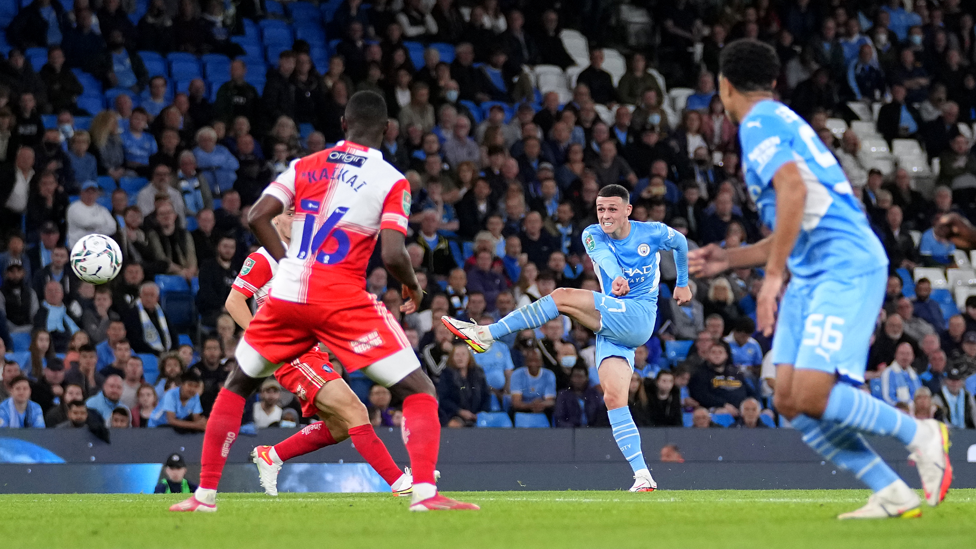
<point>451,95</point>
<point>567,361</point>
<point>654,119</point>
<point>286,424</point>
<point>916,39</point>
<point>881,40</point>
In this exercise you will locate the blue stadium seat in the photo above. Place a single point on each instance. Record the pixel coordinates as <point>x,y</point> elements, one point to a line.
<point>107,183</point>
<point>37,57</point>
<point>170,284</point>
<point>132,185</point>
<point>105,200</point>
<point>185,69</point>
<point>329,8</point>
<point>184,339</point>
<point>907,283</point>
<point>320,56</point>
<point>531,421</point>
<point>217,71</point>
<point>156,67</point>
<point>495,419</point>
<point>278,36</point>
<point>360,384</point>
<point>93,104</point>
<point>767,421</point>
<point>725,420</point>
<point>274,8</point>
<point>687,419</point>
<point>315,36</point>
<point>252,50</point>
<point>251,31</point>
<point>21,341</point>
<point>83,122</point>
<point>191,223</point>
<point>474,109</point>
<point>676,351</point>
<point>22,358</point>
<point>195,285</point>
<point>467,248</point>
<point>875,385</point>
<point>304,11</point>
<point>150,366</point>
<point>8,10</point>
<point>446,51</point>
<point>180,56</point>
<point>214,58</point>
<point>90,84</point>
<point>272,53</point>
<point>305,130</point>
<point>416,51</point>
<point>149,55</point>
<point>257,81</point>
<point>456,252</point>
<point>73,198</point>
<point>49,120</point>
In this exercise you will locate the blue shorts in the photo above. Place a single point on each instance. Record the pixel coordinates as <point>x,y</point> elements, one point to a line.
<point>627,324</point>
<point>826,324</point>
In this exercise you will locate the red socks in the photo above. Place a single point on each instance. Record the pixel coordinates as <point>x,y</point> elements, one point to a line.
<point>421,435</point>
<point>222,429</point>
<point>309,439</point>
<point>374,452</point>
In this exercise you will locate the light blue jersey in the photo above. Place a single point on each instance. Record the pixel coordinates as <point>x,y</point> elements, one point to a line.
<point>838,265</point>
<point>835,238</point>
<point>628,321</point>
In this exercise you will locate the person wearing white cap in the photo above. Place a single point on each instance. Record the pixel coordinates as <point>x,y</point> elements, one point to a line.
<point>86,216</point>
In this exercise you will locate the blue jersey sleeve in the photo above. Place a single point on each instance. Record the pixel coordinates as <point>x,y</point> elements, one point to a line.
<point>517,383</point>
<point>595,242</point>
<point>674,241</point>
<point>194,406</point>
<point>549,391</point>
<point>766,141</point>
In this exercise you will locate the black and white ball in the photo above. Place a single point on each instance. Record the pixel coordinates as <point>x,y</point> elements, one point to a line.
<point>96,258</point>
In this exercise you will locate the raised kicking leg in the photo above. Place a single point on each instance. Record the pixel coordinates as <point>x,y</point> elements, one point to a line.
<point>576,304</point>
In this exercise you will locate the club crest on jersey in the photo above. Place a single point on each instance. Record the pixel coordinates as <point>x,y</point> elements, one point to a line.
<point>340,157</point>
<point>407,200</point>
<point>248,265</point>
<point>644,250</point>
<point>309,206</point>
<point>589,243</point>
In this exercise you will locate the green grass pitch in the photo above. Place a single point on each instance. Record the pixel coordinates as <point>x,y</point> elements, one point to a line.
<point>792,519</point>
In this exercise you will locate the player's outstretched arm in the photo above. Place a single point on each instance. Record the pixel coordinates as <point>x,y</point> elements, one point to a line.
<point>678,244</point>
<point>259,220</point>
<point>236,305</point>
<point>957,229</point>
<point>596,247</point>
<point>397,262</point>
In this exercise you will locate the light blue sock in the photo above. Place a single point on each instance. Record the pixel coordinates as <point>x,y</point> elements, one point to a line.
<point>847,449</point>
<point>862,412</point>
<point>628,437</point>
<point>525,318</point>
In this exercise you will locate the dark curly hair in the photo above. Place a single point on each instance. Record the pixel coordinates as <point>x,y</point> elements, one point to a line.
<point>750,65</point>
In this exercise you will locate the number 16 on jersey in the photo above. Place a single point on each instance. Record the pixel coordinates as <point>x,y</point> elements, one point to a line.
<point>316,244</point>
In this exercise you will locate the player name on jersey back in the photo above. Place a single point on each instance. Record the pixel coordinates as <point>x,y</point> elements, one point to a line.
<point>343,198</point>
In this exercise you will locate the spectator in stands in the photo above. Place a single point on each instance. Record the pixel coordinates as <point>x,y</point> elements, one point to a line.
<point>53,316</point>
<point>864,77</point>
<point>15,251</point>
<point>237,97</point>
<point>663,401</point>
<point>419,111</point>
<point>215,162</point>
<point>146,325</point>
<point>533,387</point>
<point>459,147</point>
<point>915,327</point>
<point>717,384</point>
<point>96,321</point>
<point>636,81</point>
<point>154,97</point>
<point>108,145</point>
<point>899,381</point>
<point>579,405</point>
<point>36,25</point>
<point>746,353</point>
<point>898,119</point>
<point>462,389</point>
<point>180,407</point>
<point>108,399</point>
<point>716,225</point>
<point>599,81</point>
<point>437,254</point>
<point>121,352</point>
<point>47,389</point>
<point>934,375</point>
<point>132,381</point>
<point>15,189</point>
<point>47,204</point>
<point>17,299</point>
<point>160,186</point>
<point>701,418</point>
<point>83,163</point>
<point>62,85</point>
<point>537,243</point>
<point>18,411</point>
<point>171,243</point>
<point>119,66</point>
<point>416,21</point>
<point>910,73</point>
<point>721,301</point>
<point>86,216</point>
<point>84,373</point>
<point>958,171</point>
<point>138,144</point>
<point>266,412</point>
<point>925,308</point>
<point>196,192</point>
<point>750,412</point>
<point>216,278</point>
<point>956,401</point>
<point>937,134</point>
<point>897,242</point>
<point>885,344</point>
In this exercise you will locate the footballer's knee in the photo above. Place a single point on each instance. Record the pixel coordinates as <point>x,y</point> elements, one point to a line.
<point>241,384</point>
<point>785,404</point>
<point>416,382</point>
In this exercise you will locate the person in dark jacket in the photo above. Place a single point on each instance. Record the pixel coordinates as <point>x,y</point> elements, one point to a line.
<point>437,252</point>
<point>898,119</point>
<point>552,51</point>
<point>63,87</point>
<point>174,480</point>
<point>216,278</point>
<point>83,47</point>
<point>36,25</point>
<point>664,402</point>
<point>598,80</point>
<point>237,97</point>
<point>462,389</point>
<point>718,385</point>
<point>580,404</point>
<point>121,67</point>
<point>279,91</point>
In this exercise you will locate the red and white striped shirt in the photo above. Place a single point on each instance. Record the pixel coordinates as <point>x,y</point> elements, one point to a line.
<point>343,197</point>
<point>255,276</point>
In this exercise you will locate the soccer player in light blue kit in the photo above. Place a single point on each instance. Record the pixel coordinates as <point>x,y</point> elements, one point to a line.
<point>625,257</point>
<point>838,271</point>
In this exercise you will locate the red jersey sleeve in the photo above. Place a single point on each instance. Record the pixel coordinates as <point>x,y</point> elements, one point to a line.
<point>283,187</point>
<point>255,273</point>
<point>396,207</point>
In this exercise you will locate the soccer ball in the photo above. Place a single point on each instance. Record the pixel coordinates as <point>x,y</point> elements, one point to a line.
<point>96,258</point>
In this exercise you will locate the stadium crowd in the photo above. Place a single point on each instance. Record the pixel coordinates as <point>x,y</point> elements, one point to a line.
<point>159,123</point>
